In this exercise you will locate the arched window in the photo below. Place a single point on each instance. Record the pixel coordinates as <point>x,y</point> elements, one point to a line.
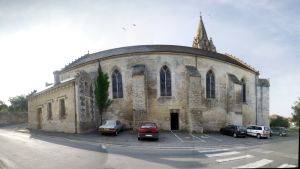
<point>210,85</point>
<point>244,91</point>
<point>117,84</point>
<point>165,81</point>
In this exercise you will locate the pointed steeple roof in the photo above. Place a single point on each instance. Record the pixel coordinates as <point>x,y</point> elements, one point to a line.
<point>201,32</point>
<point>212,46</point>
<point>201,40</point>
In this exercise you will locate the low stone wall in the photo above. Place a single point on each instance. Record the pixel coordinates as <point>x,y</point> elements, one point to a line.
<point>13,117</point>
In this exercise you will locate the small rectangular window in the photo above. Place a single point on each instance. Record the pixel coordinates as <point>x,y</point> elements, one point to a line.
<point>62,109</point>
<point>49,110</point>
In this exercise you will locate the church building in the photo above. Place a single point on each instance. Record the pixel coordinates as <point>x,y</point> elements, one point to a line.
<point>178,87</point>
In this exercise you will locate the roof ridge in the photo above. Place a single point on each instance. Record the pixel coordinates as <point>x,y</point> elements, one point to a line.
<point>240,60</point>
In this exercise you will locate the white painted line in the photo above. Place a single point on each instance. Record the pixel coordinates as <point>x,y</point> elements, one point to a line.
<point>203,141</point>
<point>176,136</point>
<point>222,154</point>
<point>256,164</point>
<point>103,146</point>
<point>213,150</point>
<point>234,158</point>
<point>286,166</point>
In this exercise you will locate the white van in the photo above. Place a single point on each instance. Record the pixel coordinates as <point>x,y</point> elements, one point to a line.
<point>259,131</point>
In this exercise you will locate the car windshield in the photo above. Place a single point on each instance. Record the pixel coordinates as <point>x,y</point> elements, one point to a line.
<point>110,122</point>
<point>241,127</point>
<point>148,125</point>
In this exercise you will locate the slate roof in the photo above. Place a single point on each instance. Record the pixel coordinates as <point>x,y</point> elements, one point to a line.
<point>157,48</point>
<point>138,70</point>
<point>192,71</point>
<point>234,79</point>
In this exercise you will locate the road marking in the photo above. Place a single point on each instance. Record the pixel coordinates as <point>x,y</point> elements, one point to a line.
<point>263,151</point>
<point>234,158</point>
<point>222,154</point>
<point>213,150</point>
<point>256,164</point>
<point>286,166</point>
<point>215,138</point>
<point>103,146</point>
<point>176,136</point>
<point>198,138</point>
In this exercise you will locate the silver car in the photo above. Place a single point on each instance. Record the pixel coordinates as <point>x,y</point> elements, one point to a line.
<point>259,131</point>
<point>111,127</point>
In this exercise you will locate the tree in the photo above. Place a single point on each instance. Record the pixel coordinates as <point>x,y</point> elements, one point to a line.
<point>18,103</point>
<point>296,113</point>
<point>279,121</point>
<point>101,92</point>
<point>3,106</point>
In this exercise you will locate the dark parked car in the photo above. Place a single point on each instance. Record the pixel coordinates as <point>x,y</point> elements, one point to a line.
<point>279,131</point>
<point>148,130</point>
<point>111,127</point>
<point>234,130</point>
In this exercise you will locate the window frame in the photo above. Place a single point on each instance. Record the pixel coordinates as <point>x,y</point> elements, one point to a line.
<point>165,81</point>
<point>211,85</point>
<point>49,111</point>
<point>117,84</point>
<point>62,109</point>
<point>244,91</point>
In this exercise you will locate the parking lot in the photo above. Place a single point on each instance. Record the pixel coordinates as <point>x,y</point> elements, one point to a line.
<point>175,139</point>
<point>171,139</point>
<point>174,149</point>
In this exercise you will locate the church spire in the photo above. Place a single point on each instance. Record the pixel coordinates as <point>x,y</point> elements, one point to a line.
<point>212,46</point>
<point>201,40</point>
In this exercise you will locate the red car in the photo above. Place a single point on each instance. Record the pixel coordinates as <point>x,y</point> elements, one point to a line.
<point>148,130</point>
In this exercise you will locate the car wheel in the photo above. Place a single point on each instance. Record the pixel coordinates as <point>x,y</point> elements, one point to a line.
<point>258,136</point>
<point>116,133</point>
<point>280,134</point>
<point>234,135</point>
<point>139,139</point>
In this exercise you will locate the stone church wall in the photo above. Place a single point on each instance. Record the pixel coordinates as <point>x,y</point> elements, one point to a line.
<point>214,111</point>
<point>66,91</point>
<point>263,104</point>
<point>86,120</point>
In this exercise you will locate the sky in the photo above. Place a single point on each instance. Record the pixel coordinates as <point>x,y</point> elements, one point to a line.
<point>39,37</point>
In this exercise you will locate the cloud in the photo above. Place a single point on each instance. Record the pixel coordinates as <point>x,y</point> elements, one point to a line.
<point>38,37</point>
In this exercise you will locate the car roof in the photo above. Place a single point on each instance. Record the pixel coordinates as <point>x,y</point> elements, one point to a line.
<point>143,123</point>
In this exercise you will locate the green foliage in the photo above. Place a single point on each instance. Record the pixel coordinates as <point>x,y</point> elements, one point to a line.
<point>279,121</point>
<point>101,92</point>
<point>18,104</point>
<point>3,106</point>
<point>296,113</point>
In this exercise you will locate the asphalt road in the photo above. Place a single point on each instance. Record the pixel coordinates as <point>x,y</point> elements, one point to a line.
<point>28,151</point>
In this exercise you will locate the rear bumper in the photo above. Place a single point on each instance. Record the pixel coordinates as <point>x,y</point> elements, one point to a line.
<point>148,135</point>
<point>265,135</point>
<point>103,131</point>
<point>241,134</point>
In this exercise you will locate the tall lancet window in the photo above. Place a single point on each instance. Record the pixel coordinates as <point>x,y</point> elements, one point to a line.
<point>244,91</point>
<point>210,85</point>
<point>117,84</point>
<point>165,81</point>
